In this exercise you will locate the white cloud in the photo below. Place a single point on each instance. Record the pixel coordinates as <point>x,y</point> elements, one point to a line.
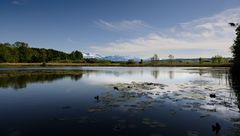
<point>15,2</point>
<point>125,25</point>
<point>202,37</point>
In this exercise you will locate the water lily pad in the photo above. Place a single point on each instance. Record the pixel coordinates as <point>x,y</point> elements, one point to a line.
<point>96,109</point>
<point>204,116</point>
<point>66,107</point>
<point>192,133</point>
<point>153,123</point>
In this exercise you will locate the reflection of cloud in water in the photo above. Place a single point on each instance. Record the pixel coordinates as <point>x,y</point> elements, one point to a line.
<point>138,75</point>
<point>171,74</point>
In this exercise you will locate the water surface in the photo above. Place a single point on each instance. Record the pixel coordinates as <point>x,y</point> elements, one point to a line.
<point>150,101</point>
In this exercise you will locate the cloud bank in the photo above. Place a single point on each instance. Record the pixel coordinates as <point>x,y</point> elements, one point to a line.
<point>202,37</point>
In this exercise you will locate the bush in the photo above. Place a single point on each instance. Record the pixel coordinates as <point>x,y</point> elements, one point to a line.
<point>130,61</point>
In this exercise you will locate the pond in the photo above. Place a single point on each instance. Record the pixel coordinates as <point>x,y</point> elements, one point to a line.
<point>148,101</point>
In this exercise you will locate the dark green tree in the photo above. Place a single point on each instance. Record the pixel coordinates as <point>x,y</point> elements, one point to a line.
<point>130,61</point>
<point>141,61</point>
<point>171,57</point>
<point>76,55</point>
<point>8,53</point>
<point>4,53</point>
<point>200,60</point>
<point>218,59</point>
<point>236,47</point>
<point>155,59</point>
<point>25,53</point>
<point>21,52</point>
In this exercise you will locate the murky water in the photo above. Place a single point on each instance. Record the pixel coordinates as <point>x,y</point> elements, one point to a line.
<point>145,101</point>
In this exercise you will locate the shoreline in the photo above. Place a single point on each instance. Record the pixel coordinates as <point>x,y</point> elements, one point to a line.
<point>109,65</point>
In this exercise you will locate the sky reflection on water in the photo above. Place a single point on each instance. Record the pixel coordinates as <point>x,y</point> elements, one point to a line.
<point>117,101</point>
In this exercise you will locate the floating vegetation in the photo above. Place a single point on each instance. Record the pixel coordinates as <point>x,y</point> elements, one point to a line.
<point>66,107</point>
<point>131,97</point>
<point>236,120</point>
<point>196,95</point>
<point>153,123</point>
<point>172,112</point>
<point>200,82</point>
<point>192,133</point>
<point>83,120</point>
<point>59,119</point>
<point>138,97</point>
<point>119,127</point>
<point>137,86</point>
<point>96,109</point>
<point>204,116</point>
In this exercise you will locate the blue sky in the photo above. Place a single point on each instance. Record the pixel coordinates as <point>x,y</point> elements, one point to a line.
<point>184,28</point>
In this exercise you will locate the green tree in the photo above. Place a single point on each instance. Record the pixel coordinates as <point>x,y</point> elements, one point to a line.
<point>8,53</point>
<point>25,53</point>
<point>76,55</point>
<point>171,57</point>
<point>14,54</point>
<point>200,60</point>
<point>236,47</point>
<point>155,59</point>
<point>21,52</point>
<point>44,55</point>
<point>130,61</point>
<point>217,59</point>
<point>141,61</point>
<point>4,53</point>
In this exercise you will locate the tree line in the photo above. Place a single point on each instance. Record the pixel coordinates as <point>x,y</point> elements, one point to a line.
<point>21,52</point>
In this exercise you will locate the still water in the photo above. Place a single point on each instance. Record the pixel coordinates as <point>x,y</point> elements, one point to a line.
<point>149,101</point>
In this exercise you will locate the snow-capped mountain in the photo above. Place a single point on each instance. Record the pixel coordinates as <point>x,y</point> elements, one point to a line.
<point>91,55</point>
<point>120,58</point>
<point>111,58</point>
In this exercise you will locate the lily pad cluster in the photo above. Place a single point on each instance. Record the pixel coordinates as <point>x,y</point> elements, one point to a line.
<point>141,86</point>
<point>138,97</point>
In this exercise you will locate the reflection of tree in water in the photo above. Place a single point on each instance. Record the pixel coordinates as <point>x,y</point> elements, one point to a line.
<point>171,74</point>
<point>218,73</point>
<point>20,79</point>
<point>155,73</point>
<point>201,72</point>
<point>76,77</point>
<point>234,80</point>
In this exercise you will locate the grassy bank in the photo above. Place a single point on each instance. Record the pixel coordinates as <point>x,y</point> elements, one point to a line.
<point>116,64</point>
